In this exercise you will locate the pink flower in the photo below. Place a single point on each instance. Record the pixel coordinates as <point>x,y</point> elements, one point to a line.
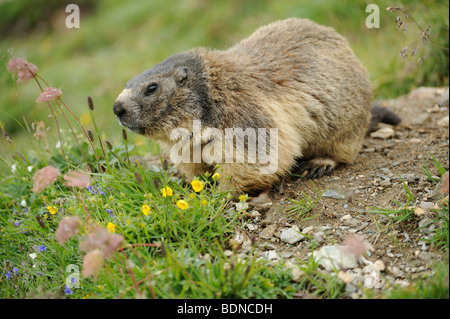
<point>77,179</point>
<point>49,94</point>
<point>16,64</point>
<point>67,228</point>
<point>100,238</point>
<point>356,245</point>
<point>92,263</point>
<point>44,177</point>
<point>22,70</point>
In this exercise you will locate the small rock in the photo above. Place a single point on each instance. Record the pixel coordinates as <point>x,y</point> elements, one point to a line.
<point>383,133</point>
<point>241,206</point>
<point>415,140</point>
<point>419,120</point>
<point>332,257</point>
<point>442,99</point>
<point>268,232</point>
<point>318,237</point>
<point>252,227</point>
<point>345,276</point>
<point>291,235</point>
<point>443,122</point>
<point>426,225</point>
<point>296,272</point>
<point>336,192</point>
<point>419,212</point>
<point>271,255</point>
<point>380,264</point>
<point>306,230</point>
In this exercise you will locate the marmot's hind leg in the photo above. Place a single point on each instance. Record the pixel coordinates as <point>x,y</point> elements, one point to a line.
<point>316,167</point>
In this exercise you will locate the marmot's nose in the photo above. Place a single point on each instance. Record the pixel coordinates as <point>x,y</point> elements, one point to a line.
<point>118,109</point>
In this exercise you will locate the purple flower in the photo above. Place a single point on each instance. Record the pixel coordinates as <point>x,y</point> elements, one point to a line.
<point>109,211</point>
<point>18,223</point>
<point>42,248</point>
<point>8,275</point>
<point>16,270</point>
<point>67,290</point>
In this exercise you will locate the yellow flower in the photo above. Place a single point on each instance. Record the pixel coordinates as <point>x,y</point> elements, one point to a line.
<point>197,186</point>
<point>243,197</point>
<point>85,118</point>
<point>167,191</point>
<point>204,202</point>
<point>216,176</point>
<point>182,204</point>
<point>192,195</point>
<point>145,209</point>
<point>111,227</point>
<point>52,209</point>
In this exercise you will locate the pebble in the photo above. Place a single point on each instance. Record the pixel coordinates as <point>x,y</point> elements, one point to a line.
<point>336,192</point>
<point>332,257</point>
<point>270,255</point>
<point>296,272</point>
<point>419,120</point>
<point>291,235</point>
<point>268,232</point>
<point>383,133</point>
<point>443,122</point>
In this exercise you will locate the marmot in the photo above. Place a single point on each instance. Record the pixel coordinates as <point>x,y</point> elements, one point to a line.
<point>295,76</point>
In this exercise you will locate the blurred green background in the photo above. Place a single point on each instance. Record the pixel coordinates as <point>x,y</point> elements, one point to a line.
<point>120,39</point>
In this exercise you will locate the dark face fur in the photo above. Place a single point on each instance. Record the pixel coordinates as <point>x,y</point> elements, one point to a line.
<point>169,95</point>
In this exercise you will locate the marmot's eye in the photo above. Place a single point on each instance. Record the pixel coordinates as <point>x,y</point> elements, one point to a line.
<point>151,89</point>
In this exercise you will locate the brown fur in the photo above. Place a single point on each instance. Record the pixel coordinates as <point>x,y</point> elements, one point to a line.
<point>294,75</point>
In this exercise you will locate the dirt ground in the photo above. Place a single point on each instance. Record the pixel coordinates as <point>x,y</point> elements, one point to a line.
<point>373,181</point>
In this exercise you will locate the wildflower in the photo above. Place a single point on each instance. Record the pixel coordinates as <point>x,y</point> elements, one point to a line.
<point>78,179</point>
<point>33,255</point>
<point>44,177</point>
<point>167,191</point>
<point>67,290</point>
<point>93,262</point>
<point>52,209</point>
<point>192,195</point>
<point>22,70</point>
<point>8,275</point>
<point>243,197</point>
<point>197,185</point>
<point>216,176</point>
<point>145,209</point>
<point>356,245</point>
<point>109,211</point>
<point>101,238</point>
<point>49,94</point>
<point>16,270</point>
<point>85,118</point>
<point>67,228</point>
<point>204,202</point>
<point>111,227</point>
<point>182,204</point>
<point>13,168</point>
<point>42,248</point>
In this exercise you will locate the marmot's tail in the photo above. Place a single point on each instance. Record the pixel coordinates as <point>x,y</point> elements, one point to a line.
<point>382,114</point>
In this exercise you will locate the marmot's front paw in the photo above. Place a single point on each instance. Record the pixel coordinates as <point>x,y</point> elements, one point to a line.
<point>316,167</point>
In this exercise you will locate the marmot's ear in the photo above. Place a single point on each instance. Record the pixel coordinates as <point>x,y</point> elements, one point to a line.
<point>181,75</point>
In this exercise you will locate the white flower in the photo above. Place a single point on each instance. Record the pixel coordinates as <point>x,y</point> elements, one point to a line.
<point>33,255</point>
<point>30,168</point>
<point>58,145</point>
<point>13,168</point>
<point>23,203</point>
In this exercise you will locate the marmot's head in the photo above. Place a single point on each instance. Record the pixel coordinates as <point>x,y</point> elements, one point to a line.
<point>171,94</point>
